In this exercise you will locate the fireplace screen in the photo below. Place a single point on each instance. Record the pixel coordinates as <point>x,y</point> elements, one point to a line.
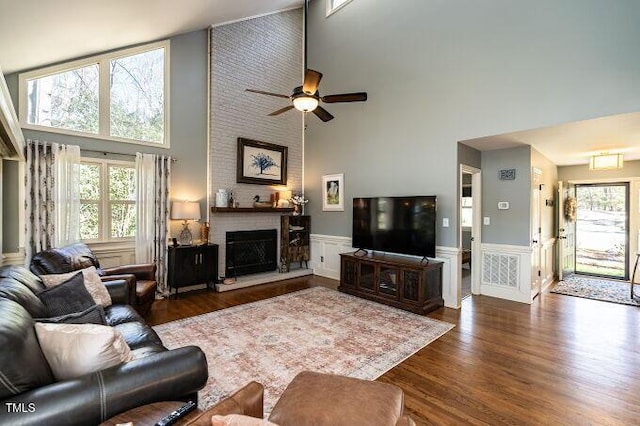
<point>250,252</point>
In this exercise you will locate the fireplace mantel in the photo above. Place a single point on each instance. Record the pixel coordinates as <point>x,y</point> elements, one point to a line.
<point>251,210</point>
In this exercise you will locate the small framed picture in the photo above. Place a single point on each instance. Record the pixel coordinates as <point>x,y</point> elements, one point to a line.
<point>333,193</point>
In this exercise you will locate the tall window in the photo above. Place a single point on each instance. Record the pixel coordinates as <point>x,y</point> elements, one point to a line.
<point>334,5</point>
<point>119,96</point>
<point>107,200</point>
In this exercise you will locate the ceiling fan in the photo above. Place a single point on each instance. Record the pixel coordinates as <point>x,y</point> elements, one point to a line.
<point>306,98</point>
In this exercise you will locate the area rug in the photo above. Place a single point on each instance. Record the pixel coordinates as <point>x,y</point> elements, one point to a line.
<point>598,289</point>
<point>317,329</point>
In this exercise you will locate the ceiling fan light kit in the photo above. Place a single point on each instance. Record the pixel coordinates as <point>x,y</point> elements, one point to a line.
<point>306,98</point>
<point>305,102</point>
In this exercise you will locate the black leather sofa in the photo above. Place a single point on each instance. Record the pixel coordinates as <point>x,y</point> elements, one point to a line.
<point>29,395</point>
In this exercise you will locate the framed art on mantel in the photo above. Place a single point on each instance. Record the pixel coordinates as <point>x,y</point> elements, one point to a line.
<point>261,163</point>
<point>333,193</point>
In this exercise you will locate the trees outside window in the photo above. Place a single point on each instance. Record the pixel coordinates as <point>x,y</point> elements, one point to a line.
<point>107,200</point>
<point>119,96</point>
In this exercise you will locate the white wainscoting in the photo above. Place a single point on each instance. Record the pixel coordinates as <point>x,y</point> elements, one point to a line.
<point>325,262</point>
<point>13,258</point>
<point>548,271</point>
<point>451,275</point>
<point>109,254</point>
<point>506,272</point>
<point>114,254</point>
<point>325,254</point>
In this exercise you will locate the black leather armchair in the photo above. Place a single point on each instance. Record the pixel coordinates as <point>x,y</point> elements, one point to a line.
<point>29,395</point>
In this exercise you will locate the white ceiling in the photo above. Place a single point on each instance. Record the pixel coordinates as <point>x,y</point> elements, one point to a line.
<point>574,143</point>
<point>40,32</point>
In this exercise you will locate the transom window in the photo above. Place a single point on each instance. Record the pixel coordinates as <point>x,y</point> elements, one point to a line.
<point>118,96</point>
<point>334,5</point>
<point>107,200</point>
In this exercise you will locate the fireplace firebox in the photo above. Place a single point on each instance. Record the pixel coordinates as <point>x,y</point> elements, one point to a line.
<point>250,252</point>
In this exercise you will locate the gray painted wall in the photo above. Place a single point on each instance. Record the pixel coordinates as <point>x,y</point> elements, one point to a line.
<point>582,172</point>
<point>441,72</point>
<point>469,156</point>
<point>188,127</point>
<point>507,226</point>
<point>264,53</point>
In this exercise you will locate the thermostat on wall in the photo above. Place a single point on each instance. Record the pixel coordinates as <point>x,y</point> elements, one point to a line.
<point>503,205</point>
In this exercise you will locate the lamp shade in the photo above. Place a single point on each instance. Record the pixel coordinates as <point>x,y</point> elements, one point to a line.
<point>185,210</point>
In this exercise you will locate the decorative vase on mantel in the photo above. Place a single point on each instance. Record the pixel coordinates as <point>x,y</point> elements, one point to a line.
<point>297,209</point>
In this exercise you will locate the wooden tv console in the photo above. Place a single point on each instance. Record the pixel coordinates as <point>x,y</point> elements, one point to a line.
<point>402,282</point>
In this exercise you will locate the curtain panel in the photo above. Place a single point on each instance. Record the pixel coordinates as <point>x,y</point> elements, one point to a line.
<point>52,196</point>
<point>153,177</point>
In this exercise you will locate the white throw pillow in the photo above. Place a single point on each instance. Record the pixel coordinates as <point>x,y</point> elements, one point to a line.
<point>239,420</point>
<point>73,350</point>
<point>92,282</point>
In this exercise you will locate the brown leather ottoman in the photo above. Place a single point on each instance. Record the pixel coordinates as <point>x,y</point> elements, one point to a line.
<point>325,399</point>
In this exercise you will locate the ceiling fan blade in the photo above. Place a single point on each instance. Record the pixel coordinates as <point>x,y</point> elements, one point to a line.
<point>345,97</point>
<point>311,81</point>
<point>323,114</point>
<point>281,110</point>
<point>267,93</point>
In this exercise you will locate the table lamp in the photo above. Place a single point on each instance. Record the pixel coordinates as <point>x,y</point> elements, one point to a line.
<point>186,211</point>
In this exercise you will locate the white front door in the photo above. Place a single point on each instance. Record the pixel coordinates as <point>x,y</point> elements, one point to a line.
<point>567,208</point>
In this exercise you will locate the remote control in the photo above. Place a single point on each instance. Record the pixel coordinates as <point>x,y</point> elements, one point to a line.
<point>175,415</point>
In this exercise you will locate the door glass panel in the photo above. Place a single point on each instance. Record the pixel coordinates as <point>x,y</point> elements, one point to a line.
<point>602,230</point>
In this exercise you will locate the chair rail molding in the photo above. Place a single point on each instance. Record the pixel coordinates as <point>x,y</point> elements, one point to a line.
<point>325,262</point>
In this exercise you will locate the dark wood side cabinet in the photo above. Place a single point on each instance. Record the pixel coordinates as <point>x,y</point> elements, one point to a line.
<point>190,265</point>
<point>294,239</point>
<point>403,282</point>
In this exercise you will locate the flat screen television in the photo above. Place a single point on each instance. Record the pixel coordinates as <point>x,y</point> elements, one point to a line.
<point>405,225</point>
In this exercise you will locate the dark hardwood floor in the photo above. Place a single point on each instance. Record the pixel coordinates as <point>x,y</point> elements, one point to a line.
<point>562,360</point>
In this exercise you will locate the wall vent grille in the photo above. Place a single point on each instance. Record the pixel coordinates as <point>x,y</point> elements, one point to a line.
<point>500,269</point>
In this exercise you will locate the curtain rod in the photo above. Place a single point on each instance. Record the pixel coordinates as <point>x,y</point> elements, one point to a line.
<point>103,152</point>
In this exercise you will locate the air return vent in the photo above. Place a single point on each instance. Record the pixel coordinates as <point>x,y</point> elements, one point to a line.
<point>500,269</point>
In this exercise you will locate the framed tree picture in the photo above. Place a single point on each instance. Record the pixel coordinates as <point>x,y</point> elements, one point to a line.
<point>333,193</point>
<point>261,163</point>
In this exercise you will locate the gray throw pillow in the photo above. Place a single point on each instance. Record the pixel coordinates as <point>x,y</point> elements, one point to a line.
<point>93,315</point>
<point>67,298</point>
